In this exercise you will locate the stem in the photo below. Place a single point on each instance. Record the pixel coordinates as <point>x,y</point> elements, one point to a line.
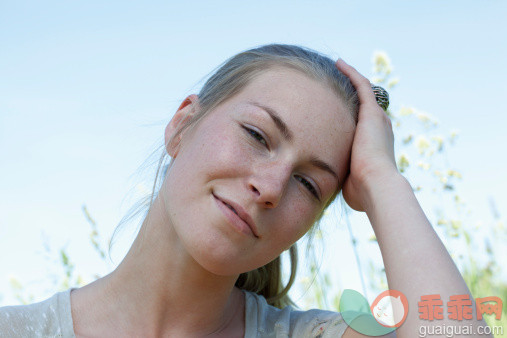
<point>354,247</point>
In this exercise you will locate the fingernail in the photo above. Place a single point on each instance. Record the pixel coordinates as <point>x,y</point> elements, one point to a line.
<point>342,61</point>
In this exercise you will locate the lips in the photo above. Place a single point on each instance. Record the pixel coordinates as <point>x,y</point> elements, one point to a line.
<point>239,211</point>
<point>231,208</point>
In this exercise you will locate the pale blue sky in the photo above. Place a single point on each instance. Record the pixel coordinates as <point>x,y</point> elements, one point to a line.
<point>87,87</point>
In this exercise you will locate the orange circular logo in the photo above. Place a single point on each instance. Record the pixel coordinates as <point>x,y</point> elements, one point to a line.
<point>390,308</point>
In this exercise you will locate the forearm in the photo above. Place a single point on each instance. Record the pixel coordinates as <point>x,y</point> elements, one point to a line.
<point>415,260</point>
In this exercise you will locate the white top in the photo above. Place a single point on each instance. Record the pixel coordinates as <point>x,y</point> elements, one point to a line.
<point>52,318</point>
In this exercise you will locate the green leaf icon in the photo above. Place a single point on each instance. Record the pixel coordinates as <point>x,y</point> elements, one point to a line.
<point>356,313</point>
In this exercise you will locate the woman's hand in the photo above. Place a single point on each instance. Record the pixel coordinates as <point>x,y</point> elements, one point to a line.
<point>372,157</point>
<point>374,185</point>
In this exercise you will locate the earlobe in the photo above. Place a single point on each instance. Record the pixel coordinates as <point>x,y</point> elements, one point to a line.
<point>181,118</point>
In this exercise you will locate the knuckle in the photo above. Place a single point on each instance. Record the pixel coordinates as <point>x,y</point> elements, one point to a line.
<point>363,82</point>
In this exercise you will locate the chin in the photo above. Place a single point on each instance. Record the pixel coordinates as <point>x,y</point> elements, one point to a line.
<point>224,257</point>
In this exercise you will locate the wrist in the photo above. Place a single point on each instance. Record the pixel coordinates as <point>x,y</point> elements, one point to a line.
<point>383,186</point>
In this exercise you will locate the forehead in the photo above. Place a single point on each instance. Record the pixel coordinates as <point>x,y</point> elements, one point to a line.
<point>317,117</point>
<point>299,96</point>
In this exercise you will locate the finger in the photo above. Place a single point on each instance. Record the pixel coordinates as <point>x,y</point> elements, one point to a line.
<point>360,83</point>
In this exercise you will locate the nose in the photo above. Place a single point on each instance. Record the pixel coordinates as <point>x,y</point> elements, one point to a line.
<point>269,184</point>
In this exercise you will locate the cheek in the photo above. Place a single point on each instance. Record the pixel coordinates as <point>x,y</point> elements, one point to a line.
<point>298,217</point>
<point>226,155</point>
<point>304,217</point>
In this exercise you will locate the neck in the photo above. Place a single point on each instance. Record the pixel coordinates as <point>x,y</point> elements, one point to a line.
<point>160,289</point>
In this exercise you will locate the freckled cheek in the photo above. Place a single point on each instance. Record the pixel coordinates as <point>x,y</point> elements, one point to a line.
<point>226,154</point>
<point>300,218</point>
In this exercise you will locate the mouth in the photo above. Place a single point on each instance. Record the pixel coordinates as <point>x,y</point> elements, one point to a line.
<point>230,207</point>
<point>237,216</point>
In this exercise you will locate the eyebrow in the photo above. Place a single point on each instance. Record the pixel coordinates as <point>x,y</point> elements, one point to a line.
<point>282,127</point>
<point>287,134</point>
<point>324,166</point>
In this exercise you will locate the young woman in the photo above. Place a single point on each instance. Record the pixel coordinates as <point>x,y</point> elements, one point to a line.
<point>256,157</point>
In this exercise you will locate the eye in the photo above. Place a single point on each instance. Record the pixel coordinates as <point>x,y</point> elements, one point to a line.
<point>308,186</point>
<point>256,136</point>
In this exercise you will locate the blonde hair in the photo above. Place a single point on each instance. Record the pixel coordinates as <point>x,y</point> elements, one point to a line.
<point>230,78</point>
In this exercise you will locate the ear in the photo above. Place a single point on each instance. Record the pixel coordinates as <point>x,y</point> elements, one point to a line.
<point>180,119</point>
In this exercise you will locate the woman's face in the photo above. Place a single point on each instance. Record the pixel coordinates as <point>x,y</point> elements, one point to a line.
<point>274,152</point>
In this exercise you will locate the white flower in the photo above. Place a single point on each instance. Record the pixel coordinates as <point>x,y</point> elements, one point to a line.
<point>422,144</point>
<point>381,62</point>
<point>423,165</point>
<point>406,111</point>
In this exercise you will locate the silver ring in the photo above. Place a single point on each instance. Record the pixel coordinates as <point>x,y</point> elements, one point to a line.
<point>381,96</point>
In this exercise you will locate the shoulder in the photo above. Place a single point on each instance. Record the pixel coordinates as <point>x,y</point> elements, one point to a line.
<point>49,318</point>
<point>350,333</point>
<point>269,321</point>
